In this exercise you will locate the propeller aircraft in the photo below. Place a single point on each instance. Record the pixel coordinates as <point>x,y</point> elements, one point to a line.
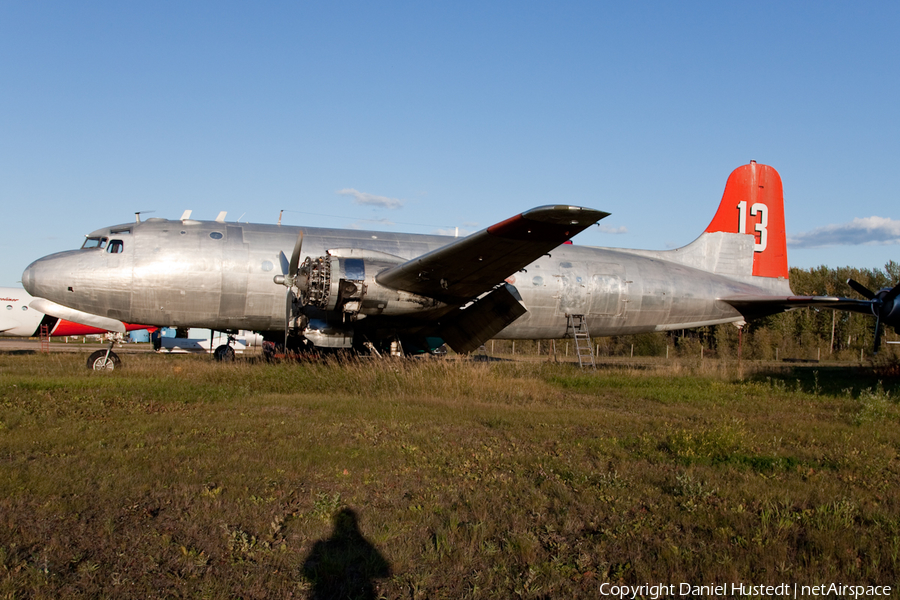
<point>374,291</point>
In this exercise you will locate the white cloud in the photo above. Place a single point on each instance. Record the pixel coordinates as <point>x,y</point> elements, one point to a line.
<point>612,230</point>
<point>371,199</point>
<point>871,230</point>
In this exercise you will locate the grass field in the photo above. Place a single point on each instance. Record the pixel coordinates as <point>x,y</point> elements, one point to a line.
<point>177,477</point>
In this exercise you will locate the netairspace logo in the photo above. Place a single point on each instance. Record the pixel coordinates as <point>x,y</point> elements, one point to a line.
<point>733,590</point>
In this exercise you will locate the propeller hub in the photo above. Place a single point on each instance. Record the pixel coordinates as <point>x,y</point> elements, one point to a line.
<point>882,305</point>
<point>293,319</point>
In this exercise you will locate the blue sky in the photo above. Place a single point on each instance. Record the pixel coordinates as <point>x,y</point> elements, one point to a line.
<point>425,116</point>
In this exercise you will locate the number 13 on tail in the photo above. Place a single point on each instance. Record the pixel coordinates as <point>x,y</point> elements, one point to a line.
<point>760,227</point>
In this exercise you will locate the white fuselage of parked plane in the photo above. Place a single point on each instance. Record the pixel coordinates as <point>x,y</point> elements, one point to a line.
<point>17,319</point>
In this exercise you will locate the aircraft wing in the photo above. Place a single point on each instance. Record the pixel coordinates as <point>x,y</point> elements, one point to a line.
<point>470,266</point>
<point>754,307</point>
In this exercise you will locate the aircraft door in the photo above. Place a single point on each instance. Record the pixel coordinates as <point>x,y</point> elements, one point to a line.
<point>574,289</point>
<point>608,290</point>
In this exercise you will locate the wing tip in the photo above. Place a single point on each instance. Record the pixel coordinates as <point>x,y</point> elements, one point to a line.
<point>548,223</point>
<point>561,214</point>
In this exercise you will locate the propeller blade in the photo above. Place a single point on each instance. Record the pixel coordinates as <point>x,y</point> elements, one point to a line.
<point>885,307</point>
<point>288,313</point>
<point>284,263</point>
<point>877,334</point>
<point>861,289</point>
<point>895,291</point>
<point>295,256</point>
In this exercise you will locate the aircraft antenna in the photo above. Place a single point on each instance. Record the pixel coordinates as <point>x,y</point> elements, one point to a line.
<point>279,217</point>
<point>137,215</point>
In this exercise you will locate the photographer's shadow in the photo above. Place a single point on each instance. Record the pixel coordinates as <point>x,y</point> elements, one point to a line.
<point>346,564</point>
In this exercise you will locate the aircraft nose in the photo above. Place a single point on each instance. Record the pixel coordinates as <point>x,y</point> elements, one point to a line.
<point>28,279</point>
<point>45,277</point>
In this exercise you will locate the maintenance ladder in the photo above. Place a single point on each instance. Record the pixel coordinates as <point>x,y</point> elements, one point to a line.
<point>45,339</point>
<point>584,348</point>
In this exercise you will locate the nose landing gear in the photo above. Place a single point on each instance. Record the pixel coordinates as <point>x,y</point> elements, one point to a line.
<point>104,360</point>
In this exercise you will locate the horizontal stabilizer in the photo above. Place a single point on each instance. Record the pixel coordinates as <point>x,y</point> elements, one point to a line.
<point>753,307</point>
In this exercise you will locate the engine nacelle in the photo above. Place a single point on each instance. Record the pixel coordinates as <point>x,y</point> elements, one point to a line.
<point>344,280</point>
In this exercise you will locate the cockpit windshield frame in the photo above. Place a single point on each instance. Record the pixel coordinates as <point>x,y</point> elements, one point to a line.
<point>94,243</point>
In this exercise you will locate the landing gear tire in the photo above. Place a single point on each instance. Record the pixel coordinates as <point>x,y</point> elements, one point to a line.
<point>98,361</point>
<point>224,353</point>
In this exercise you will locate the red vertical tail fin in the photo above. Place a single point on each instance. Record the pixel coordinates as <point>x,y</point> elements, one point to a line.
<point>753,203</point>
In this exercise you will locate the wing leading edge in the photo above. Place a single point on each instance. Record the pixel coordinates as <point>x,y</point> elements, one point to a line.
<point>473,265</point>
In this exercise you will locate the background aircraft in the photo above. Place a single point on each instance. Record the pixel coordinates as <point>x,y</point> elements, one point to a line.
<point>203,341</point>
<point>376,290</point>
<point>18,318</point>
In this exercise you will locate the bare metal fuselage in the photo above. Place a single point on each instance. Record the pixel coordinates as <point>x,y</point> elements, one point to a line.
<point>220,276</point>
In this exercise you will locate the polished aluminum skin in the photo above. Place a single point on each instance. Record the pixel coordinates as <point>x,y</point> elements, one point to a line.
<point>220,276</point>
<point>514,280</point>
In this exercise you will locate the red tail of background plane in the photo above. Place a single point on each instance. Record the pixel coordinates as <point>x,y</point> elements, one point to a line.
<point>753,203</point>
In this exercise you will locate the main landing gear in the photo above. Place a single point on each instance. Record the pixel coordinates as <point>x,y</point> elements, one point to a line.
<point>223,352</point>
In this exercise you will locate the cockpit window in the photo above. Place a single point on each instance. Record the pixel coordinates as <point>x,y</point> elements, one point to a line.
<point>115,247</point>
<point>94,242</point>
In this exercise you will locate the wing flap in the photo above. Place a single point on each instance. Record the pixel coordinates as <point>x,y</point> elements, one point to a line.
<point>468,329</point>
<point>473,265</point>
